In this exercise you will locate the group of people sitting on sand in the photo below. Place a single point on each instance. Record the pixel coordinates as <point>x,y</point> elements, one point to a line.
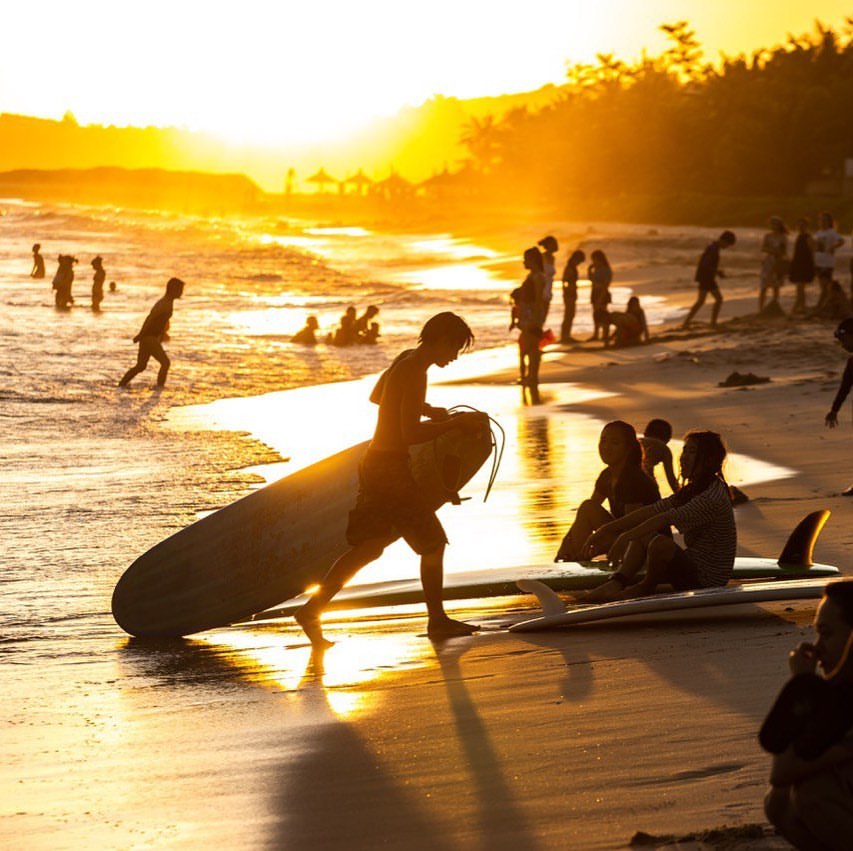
<point>64,278</point>
<point>351,330</point>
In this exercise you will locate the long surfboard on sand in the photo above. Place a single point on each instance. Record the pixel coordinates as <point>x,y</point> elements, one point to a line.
<point>686,603</point>
<point>274,543</point>
<point>794,562</point>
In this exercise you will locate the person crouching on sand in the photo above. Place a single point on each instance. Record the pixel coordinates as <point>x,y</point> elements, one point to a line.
<point>701,510</point>
<point>809,731</point>
<point>154,333</point>
<point>622,483</point>
<point>389,504</point>
<point>844,335</point>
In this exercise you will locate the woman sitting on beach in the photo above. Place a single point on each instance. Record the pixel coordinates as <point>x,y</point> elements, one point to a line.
<point>622,483</point>
<point>701,511</point>
<point>631,327</point>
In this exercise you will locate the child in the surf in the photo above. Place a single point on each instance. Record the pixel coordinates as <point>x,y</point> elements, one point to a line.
<point>701,511</point>
<point>622,483</point>
<point>844,335</point>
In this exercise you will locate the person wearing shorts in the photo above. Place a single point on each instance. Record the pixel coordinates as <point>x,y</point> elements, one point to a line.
<point>707,272</point>
<point>389,504</point>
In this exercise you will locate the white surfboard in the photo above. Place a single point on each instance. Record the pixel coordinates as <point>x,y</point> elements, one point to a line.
<point>557,616</point>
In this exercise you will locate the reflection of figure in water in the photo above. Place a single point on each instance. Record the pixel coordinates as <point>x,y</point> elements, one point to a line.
<point>631,327</point>
<point>362,324</point>
<point>655,451</point>
<point>701,511</point>
<point>809,731</point>
<point>62,281</point>
<point>570,293</point>
<point>528,312</point>
<point>38,262</point>
<point>827,241</point>
<point>844,335</point>
<point>307,335</point>
<point>600,276</point>
<point>345,332</point>
<point>801,270</point>
<point>707,271</point>
<point>774,266</point>
<point>98,282</point>
<point>622,483</point>
<point>154,333</point>
<point>549,270</point>
<point>389,503</point>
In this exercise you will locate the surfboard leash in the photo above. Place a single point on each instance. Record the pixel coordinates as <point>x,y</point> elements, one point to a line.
<point>498,441</point>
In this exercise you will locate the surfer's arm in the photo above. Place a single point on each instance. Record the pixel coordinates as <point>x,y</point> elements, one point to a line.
<point>787,768</point>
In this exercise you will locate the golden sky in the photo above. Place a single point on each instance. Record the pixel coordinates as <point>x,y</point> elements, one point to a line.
<point>281,71</point>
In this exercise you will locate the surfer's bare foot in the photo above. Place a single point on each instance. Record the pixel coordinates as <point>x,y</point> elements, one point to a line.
<point>310,624</point>
<point>447,628</point>
<point>605,593</point>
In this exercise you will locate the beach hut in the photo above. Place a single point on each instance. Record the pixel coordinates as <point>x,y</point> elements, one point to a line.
<point>360,181</point>
<point>393,188</point>
<point>322,179</point>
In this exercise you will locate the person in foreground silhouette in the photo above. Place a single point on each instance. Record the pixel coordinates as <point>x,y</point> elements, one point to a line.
<point>38,262</point>
<point>153,334</point>
<point>809,731</point>
<point>389,504</point>
<point>844,335</point>
<point>707,271</point>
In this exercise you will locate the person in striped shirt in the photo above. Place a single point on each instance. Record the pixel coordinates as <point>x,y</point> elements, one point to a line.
<point>701,510</point>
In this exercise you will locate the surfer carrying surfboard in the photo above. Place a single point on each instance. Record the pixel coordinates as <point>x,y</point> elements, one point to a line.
<point>808,731</point>
<point>389,504</point>
<point>701,511</point>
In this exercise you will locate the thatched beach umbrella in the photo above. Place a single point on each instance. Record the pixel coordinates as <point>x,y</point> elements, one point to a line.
<point>360,180</point>
<point>321,178</point>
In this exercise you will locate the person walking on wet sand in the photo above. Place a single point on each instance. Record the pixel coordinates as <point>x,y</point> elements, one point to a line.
<point>98,283</point>
<point>38,263</point>
<point>844,335</point>
<point>707,271</point>
<point>389,503</point>
<point>153,333</point>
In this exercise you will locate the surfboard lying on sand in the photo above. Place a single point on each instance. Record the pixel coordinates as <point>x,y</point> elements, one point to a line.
<point>274,543</point>
<point>794,562</point>
<point>557,616</point>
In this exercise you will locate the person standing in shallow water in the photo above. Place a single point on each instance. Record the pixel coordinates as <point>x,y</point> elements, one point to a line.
<point>707,272</point>
<point>389,504</point>
<point>153,333</point>
<point>38,262</point>
<point>98,283</point>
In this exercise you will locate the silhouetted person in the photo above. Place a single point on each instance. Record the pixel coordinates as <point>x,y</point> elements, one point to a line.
<point>528,317</point>
<point>774,264</point>
<point>844,335</point>
<point>600,277</point>
<point>307,335</point>
<point>802,268</point>
<point>809,731</point>
<point>389,503</point>
<point>371,336</point>
<point>362,324</point>
<point>827,241</point>
<point>62,281</point>
<point>38,263</point>
<point>112,286</point>
<point>654,441</point>
<point>570,293</point>
<point>630,327</point>
<point>550,247</point>
<point>707,271</point>
<point>154,333</point>
<point>345,333</point>
<point>98,282</point>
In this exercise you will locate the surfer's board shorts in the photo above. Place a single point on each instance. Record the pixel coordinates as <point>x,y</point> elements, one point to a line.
<point>390,505</point>
<point>681,572</point>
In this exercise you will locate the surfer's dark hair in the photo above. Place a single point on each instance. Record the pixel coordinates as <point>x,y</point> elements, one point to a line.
<point>634,458</point>
<point>174,286</point>
<point>710,458</point>
<point>447,325</point>
<point>841,594</point>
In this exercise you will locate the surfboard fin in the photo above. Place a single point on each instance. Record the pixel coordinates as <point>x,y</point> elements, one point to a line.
<point>548,599</point>
<point>799,548</point>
